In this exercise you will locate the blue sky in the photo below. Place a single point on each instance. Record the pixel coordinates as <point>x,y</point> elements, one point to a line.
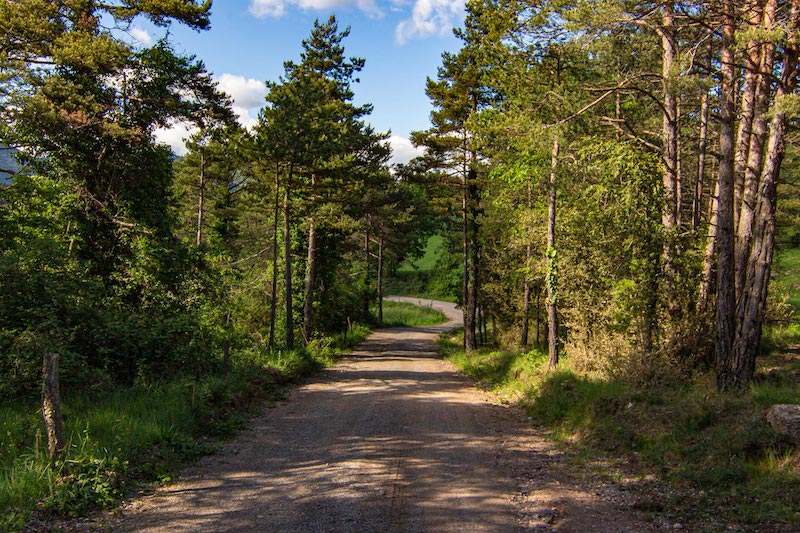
<point>401,41</point>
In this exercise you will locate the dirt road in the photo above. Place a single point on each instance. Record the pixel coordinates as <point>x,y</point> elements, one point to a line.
<point>390,439</point>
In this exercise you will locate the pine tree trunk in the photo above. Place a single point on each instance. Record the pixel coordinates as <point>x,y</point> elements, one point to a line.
<point>201,200</point>
<point>752,306</point>
<point>552,287</point>
<point>747,109</point>
<point>709,256</point>
<point>526,296</point>
<point>538,317</point>
<point>679,219</point>
<point>465,251</point>
<point>526,300</point>
<point>726,269</point>
<point>51,406</point>
<point>753,303</point>
<point>311,271</point>
<point>755,152</point>
<point>471,328</point>
<point>380,277</point>
<point>367,221</point>
<point>701,162</point>
<point>287,260</point>
<point>273,307</point>
<point>670,145</point>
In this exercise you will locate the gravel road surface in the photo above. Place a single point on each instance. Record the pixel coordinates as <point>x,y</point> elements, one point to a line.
<point>392,438</point>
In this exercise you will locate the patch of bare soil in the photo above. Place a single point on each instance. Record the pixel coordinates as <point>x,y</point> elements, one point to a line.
<point>390,439</point>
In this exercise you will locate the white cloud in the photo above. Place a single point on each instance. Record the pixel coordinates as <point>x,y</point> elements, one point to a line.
<point>245,118</point>
<point>248,97</point>
<point>268,8</point>
<point>141,36</point>
<point>175,137</point>
<point>430,17</point>
<point>245,92</point>
<point>277,8</point>
<point>403,150</point>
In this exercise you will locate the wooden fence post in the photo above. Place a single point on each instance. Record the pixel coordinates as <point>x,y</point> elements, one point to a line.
<point>51,406</point>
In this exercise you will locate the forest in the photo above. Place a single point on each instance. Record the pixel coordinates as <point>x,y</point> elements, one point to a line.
<point>609,186</point>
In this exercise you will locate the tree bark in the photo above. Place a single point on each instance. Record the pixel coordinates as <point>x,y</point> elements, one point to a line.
<point>710,254</point>
<point>552,267</point>
<point>51,406</point>
<point>473,325</point>
<point>755,152</point>
<point>701,162</point>
<point>276,214</point>
<point>470,326</point>
<point>679,219</point>
<point>287,260</point>
<point>311,271</point>
<point>726,269</point>
<point>380,277</point>
<point>747,108</point>
<point>538,317</point>
<point>367,224</point>
<point>669,120</point>
<point>669,148</point>
<point>526,297</point>
<point>753,303</point>
<point>201,200</point>
<point>465,252</point>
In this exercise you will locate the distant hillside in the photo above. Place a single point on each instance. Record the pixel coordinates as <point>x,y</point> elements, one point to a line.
<point>7,161</point>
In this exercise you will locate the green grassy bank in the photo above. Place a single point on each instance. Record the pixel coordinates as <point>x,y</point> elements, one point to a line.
<point>120,439</point>
<point>435,274</point>
<point>398,314</point>
<point>714,457</point>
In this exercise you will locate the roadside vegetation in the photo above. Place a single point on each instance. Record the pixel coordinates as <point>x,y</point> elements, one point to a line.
<point>121,438</point>
<point>700,457</point>
<point>399,314</point>
<point>433,274</point>
<point>695,455</point>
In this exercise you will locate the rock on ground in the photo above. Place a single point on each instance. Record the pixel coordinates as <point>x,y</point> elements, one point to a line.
<point>785,419</point>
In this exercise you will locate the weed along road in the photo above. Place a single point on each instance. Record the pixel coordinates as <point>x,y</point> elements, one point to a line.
<point>392,438</point>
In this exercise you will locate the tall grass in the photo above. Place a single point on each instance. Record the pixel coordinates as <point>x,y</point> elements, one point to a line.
<point>398,314</point>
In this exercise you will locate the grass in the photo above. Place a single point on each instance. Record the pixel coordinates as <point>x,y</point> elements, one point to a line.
<point>399,314</point>
<point>418,276</point>
<point>721,462</point>
<point>430,255</point>
<point>122,438</point>
<point>782,330</point>
<point>787,269</point>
